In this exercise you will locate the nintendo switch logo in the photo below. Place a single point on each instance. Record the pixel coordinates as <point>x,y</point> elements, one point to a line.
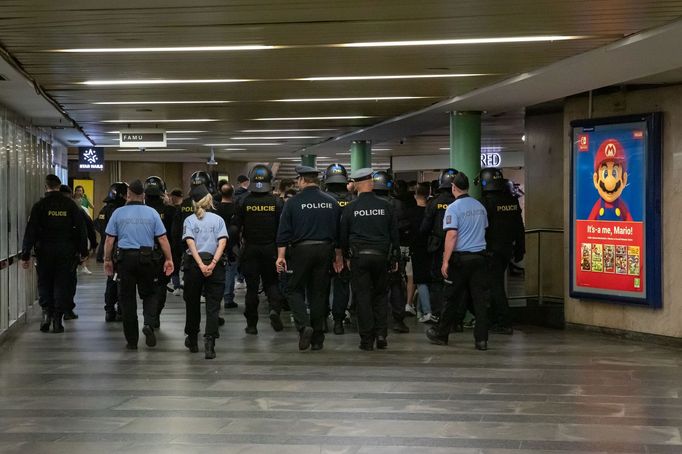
<point>583,142</point>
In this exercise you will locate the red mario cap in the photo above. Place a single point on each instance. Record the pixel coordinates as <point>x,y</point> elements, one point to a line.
<point>610,150</point>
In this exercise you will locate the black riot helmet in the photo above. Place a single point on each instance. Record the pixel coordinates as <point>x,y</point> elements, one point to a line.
<point>336,174</point>
<point>382,181</point>
<point>446,178</point>
<point>491,179</point>
<point>118,191</point>
<point>154,186</point>
<point>200,177</point>
<point>260,179</point>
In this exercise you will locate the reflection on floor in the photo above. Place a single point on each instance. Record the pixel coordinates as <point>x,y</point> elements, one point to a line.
<point>539,391</point>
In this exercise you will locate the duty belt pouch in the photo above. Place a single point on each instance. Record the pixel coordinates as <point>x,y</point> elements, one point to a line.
<point>146,256</point>
<point>206,257</point>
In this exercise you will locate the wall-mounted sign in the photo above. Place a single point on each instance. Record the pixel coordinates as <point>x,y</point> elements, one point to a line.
<point>616,209</point>
<point>143,138</point>
<point>91,159</point>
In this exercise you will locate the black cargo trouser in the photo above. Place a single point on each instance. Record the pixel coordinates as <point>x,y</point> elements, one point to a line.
<point>136,274</point>
<point>370,283</point>
<point>74,285</point>
<point>212,287</point>
<point>160,288</point>
<point>340,294</point>
<point>258,262</point>
<point>55,267</point>
<point>111,293</point>
<point>397,298</point>
<point>309,267</point>
<point>499,305</point>
<point>469,277</point>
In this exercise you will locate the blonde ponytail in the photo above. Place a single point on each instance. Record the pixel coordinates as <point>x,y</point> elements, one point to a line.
<point>202,206</point>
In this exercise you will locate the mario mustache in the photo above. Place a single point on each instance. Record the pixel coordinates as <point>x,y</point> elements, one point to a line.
<point>612,191</point>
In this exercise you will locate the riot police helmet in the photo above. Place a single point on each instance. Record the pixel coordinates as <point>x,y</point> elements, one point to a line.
<point>154,186</point>
<point>260,179</point>
<point>118,191</point>
<point>202,177</point>
<point>490,179</point>
<point>446,178</point>
<point>336,174</point>
<point>382,181</point>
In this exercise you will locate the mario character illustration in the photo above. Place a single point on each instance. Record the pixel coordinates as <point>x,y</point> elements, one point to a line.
<point>610,179</point>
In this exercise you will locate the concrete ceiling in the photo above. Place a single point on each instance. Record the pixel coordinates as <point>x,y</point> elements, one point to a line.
<point>306,35</point>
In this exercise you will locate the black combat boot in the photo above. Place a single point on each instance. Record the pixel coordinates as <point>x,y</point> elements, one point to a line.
<point>191,343</point>
<point>276,321</point>
<point>57,325</point>
<point>46,321</point>
<point>209,347</point>
<point>338,327</point>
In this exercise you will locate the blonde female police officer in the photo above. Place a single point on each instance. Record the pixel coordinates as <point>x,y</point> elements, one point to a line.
<point>206,236</point>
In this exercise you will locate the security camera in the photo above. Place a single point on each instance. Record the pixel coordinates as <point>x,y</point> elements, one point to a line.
<point>142,150</point>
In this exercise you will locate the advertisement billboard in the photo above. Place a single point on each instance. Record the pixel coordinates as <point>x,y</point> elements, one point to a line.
<point>615,251</point>
<point>91,159</point>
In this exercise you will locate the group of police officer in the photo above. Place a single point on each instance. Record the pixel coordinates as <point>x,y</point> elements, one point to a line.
<point>344,241</point>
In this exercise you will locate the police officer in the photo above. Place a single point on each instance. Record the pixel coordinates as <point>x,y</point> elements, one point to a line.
<point>369,238</point>
<point>383,184</point>
<point>308,231</point>
<point>465,265</point>
<point>56,229</point>
<point>336,182</point>
<point>506,239</point>
<point>432,228</point>
<point>154,192</point>
<point>136,227</point>
<point>118,194</point>
<point>256,220</point>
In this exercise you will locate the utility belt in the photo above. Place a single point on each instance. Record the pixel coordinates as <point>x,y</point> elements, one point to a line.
<point>356,250</point>
<point>206,258</point>
<point>311,243</point>
<point>146,255</point>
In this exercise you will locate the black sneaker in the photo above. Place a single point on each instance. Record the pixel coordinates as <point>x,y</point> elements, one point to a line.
<point>276,321</point>
<point>110,316</point>
<point>399,326</point>
<point>150,338</point>
<point>251,329</point>
<point>382,343</point>
<point>338,327</point>
<point>192,344</point>
<point>366,346</point>
<point>482,345</point>
<point>209,347</point>
<point>70,315</point>
<point>316,346</point>
<point>435,338</point>
<point>304,338</point>
<point>231,305</point>
<point>46,322</point>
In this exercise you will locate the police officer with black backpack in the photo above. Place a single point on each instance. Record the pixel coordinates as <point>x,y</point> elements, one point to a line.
<point>57,231</point>
<point>506,240</point>
<point>118,195</point>
<point>308,232</point>
<point>336,185</point>
<point>154,191</point>
<point>432,227</point>
<point>383,185</point>
<point>370,240</point>
<point>256,220</point>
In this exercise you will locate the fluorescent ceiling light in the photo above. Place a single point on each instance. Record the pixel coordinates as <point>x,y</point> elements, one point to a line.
<point>126,50</point>
<point>184,120</point>
<point>285,130</point>
<point>376,98</point>
<point>343,154</point>
<point>160,81</point>
<point>289,159</point>
<point>390,77</point>
<point>349,117</point>
<point>444,149</point>
<point>464,41</point>
<point>181,138</point>
<point>167,132</point>
<point>133,103</point>
<point>275,138</point>
<point>151,149</point>
<point>234,149</point>
<point>263,144</point>
<point>382,149</point>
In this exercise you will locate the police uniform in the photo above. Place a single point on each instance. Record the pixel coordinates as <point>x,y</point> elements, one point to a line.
<point>336,181</point>
<point>369,237</point>
<point>396,279</point>
<point>309,230</point>
<point>256,220</point>
<point>57,231</point>
<point>154,188</point>
<point>432,228</point>
<point>136,227</point>
<point>117,199</point>
<point>467,272</point>
<point>505,238</point>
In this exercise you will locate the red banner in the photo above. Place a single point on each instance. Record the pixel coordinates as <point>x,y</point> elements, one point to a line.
<point>609,255</point>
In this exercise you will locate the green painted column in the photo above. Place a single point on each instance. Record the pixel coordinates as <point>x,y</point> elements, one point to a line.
<point>465,146</point>
<point>309,160</point>
<point>360,154</point>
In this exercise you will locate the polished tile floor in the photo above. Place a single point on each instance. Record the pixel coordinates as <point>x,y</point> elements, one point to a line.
<point>539,391</point>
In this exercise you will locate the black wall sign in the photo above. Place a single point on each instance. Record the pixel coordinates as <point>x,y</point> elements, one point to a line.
<point>91,159</point>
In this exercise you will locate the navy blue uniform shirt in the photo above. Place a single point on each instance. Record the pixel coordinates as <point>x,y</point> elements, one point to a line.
<point>309,215</point>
